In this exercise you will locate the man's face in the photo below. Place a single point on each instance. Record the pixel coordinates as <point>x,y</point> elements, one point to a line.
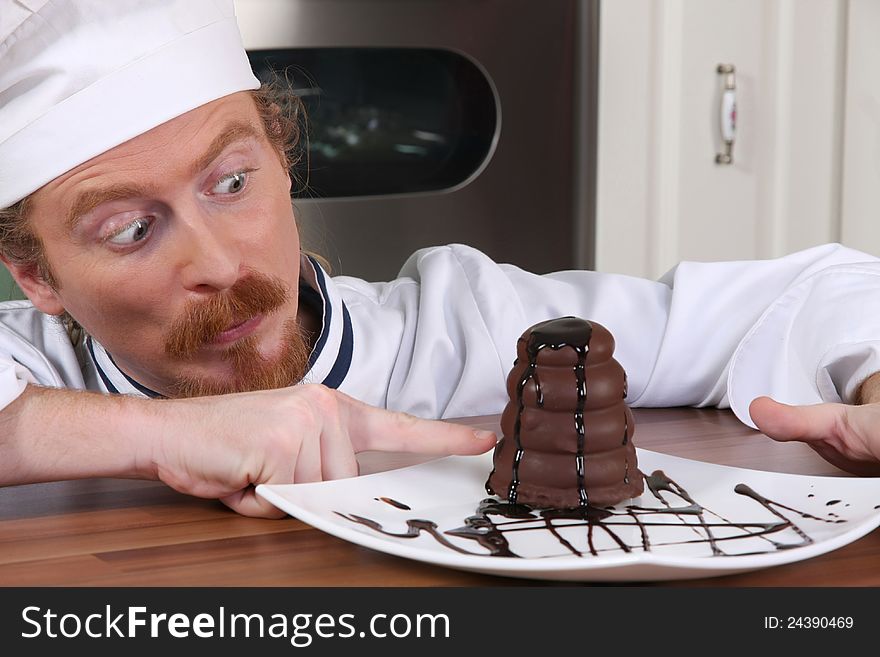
<point>178,251</point>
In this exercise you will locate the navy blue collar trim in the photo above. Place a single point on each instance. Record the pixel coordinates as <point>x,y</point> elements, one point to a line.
<point>328,315</point>
<point>144,389</point>
<point>110,386</point>
<point>346,347</point>
<point>313,299</point>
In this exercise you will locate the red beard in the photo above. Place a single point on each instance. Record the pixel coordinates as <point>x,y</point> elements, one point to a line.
<point>202,321</point>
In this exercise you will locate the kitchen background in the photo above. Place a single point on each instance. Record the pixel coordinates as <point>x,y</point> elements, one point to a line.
<point>579,133</point>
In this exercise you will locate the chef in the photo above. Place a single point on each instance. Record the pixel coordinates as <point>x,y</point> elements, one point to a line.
<point>176,329</point>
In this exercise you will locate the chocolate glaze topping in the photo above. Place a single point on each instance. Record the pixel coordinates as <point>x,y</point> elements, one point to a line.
<point>566,430</point>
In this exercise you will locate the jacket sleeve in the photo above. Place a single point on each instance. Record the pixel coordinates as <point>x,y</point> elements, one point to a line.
<point>13,380</point>
<point>33,349</point>
<point>704,334</point>
<point>817,342</point>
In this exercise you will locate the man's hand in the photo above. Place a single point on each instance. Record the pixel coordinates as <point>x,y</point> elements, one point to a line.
<point>221,447</point>
<point>846,436</point>
<point>215,447</point>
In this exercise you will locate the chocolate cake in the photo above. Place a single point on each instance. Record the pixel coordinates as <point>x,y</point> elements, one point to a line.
<point>567,432</point>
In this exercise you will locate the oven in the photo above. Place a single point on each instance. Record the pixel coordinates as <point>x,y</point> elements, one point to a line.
<point>439,121</point>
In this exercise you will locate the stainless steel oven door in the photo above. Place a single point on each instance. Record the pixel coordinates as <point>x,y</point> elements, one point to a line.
<point>528,201</point>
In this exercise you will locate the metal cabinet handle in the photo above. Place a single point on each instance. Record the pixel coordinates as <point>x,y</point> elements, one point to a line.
<point>728,113</point>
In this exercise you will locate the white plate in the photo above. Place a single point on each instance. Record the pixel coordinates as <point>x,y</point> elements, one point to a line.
<point>808,516</point>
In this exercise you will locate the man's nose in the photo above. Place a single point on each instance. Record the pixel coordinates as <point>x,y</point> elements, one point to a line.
<point>210,258</point>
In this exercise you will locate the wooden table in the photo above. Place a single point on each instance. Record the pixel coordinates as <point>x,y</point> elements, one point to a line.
<point>104,532</point>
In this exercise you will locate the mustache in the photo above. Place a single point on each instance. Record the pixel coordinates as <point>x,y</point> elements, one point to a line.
<point>202,321</point>
<point>251,370</point>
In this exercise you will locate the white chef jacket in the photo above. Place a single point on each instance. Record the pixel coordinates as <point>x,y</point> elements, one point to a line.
<point>439,340</point>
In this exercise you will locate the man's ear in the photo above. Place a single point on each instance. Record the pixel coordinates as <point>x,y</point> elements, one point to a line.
<point>32,283</point>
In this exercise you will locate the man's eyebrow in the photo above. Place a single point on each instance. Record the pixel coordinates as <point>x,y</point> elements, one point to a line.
<point>235,131</point>
<point>91,199</point>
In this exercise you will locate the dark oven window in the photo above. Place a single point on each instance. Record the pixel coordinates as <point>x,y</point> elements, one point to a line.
<point>386,120</point>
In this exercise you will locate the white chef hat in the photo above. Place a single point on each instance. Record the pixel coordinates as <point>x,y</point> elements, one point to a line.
<point>78,77</point>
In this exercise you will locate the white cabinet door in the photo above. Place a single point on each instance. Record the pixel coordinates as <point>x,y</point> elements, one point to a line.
<point>661,196</point>
<point>860,213</point>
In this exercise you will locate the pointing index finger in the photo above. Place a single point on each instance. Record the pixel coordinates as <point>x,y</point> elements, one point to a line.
<point>375,429</point>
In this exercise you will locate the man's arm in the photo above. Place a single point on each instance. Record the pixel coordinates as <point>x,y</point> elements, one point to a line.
<point>847,436</point>
<point>48,434</point>
<point>214,447</point>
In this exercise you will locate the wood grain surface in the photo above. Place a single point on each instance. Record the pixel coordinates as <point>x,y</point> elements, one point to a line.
<point>107,532</point>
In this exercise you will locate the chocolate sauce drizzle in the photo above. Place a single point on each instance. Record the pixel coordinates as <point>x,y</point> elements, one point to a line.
<point>394,503</point>
<point>708,528</point>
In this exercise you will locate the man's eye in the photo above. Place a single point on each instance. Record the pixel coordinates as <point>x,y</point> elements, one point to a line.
<point>231,184</point>
<point>133,232</point>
